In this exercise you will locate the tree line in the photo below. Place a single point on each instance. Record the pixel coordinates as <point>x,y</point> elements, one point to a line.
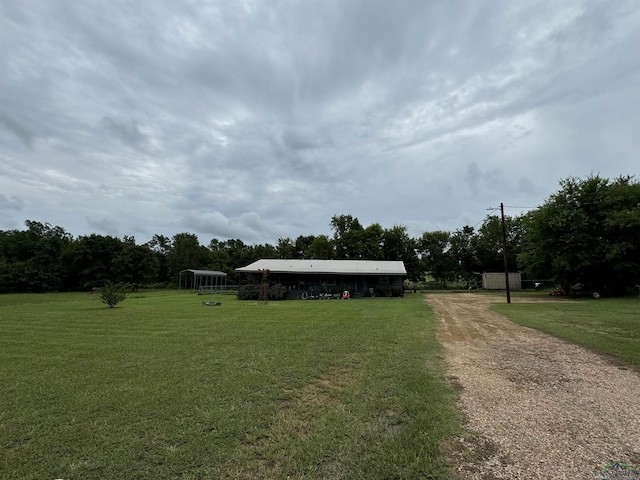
<point>588,232</point>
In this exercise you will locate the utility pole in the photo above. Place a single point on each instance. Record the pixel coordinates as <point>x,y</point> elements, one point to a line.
<point>504,249</point>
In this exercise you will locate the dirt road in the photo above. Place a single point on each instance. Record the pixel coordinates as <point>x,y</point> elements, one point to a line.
<point>537,407</point>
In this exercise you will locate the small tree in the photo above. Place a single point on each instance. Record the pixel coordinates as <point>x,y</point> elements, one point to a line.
<point>112,294</point>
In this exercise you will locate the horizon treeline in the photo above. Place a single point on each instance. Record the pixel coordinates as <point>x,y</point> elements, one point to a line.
<point>46,258</point>
<point>588,232</point>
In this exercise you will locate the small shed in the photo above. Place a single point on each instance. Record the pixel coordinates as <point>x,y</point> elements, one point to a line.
<point>496,281</point>
<point>202,280</point>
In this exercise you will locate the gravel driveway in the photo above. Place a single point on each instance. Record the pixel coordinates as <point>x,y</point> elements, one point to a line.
<point>537,407</point>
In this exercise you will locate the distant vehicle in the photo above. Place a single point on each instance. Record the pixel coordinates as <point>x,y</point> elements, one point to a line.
<point>580,290</point>
<point>556,292</point>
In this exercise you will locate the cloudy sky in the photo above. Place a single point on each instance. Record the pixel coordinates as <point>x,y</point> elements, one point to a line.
<point>263,119</point>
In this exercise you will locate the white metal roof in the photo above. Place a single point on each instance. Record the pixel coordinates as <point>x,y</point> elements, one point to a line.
<point>348,267</point>
<point>204,273</point>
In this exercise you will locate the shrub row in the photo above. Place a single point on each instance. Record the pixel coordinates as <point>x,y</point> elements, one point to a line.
<point>252,292</point>
<point>278,292</point>
<point>384,291</point>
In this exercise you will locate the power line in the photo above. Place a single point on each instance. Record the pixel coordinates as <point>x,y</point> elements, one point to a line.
<point>474,227</point>
<point>509,206</point>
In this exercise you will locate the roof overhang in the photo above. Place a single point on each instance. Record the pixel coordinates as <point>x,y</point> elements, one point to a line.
<point>327,267</point>
<point>204,273</point>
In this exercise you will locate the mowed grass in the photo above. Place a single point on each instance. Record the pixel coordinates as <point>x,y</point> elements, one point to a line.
<point>162,387</point>
<point>609,325</point>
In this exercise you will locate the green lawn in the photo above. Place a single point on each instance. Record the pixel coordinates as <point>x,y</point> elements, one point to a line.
<point>610,325</point>
<point>162,387</point>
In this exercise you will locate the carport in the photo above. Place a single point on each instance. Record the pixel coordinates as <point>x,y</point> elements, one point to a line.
<point>202,280</point>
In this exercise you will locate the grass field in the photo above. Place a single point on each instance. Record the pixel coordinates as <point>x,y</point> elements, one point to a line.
<point>162,387</point>
<point>609,325</point>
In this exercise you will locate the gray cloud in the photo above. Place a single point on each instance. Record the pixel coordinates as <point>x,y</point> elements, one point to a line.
<point>255,120</point>
<point>10,203</point>
<point>127,130</point>
<point>104,226</point>
<point>248,226</point>
<point>16,128</point>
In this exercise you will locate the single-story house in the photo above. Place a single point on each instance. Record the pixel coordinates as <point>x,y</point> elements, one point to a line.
<point>311,278</point>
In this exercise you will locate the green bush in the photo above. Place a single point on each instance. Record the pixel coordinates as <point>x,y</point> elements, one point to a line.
<point>248,292</point>
<point>112,294</point>
<point>396,291</point>
<point>387,291</point>
<point>277,292</point>
<point>382,291</point>
<point>252,292</point>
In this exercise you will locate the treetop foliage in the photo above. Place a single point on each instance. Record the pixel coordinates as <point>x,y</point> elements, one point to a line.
<point>587,233</point>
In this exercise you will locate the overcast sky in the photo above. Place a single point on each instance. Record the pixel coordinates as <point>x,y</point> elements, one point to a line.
<point>263,119</point>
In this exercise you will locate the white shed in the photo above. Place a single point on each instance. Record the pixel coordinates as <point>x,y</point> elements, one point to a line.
<point>496,281</point>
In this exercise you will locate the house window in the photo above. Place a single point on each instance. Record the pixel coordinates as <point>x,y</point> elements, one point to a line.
<point>384,280</point>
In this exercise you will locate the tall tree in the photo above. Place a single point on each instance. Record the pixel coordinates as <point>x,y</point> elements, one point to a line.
<point>31,260</point>
<point>186,252</point>
<point>321,248</point>
<point>220,259</point>
<point>136,264</point>
<point>347,236</point>
<point>586,233</point>
<point>92,259</point>
<point>398,245</point>
<point>161,246</point>
<point>286,248</point>
<point>45,271</point>
<point>436,257</point>
<point>464,253</point>
<point>371,242</point>
<point>302,245</point>
<point>240,253</point>
<point>489,246</point>
<point>265,251</point>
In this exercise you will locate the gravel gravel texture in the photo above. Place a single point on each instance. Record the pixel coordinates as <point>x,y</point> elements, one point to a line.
<point>537,407</point>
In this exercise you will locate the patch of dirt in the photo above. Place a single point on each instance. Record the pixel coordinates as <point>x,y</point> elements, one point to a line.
<point>537,407</point>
